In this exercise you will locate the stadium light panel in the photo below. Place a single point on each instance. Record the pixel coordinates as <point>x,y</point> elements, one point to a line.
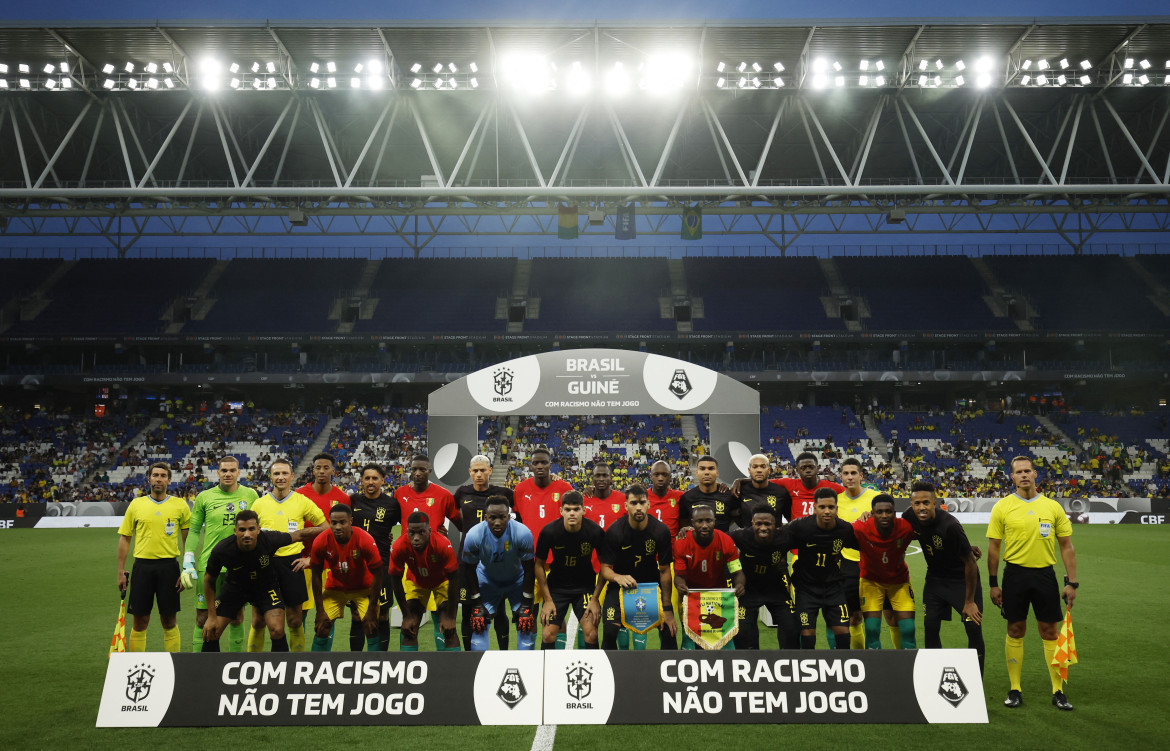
<point>374,83</point>
<point>50,84</point>
<point>617,80</point>
<point>880,81</point>
<point>169,82</point>
<point>132,83</point>
<point>415,83</point>
<point>107,69</point>
<point>1027,65</point>
<point>22,67</point>
<point>235,83</point>
<point>863,81</point>
<point>314,67</point>
<point>473,67</point>
<point>937,81</point>
<point>151,68</point>
<point>1144,64</point>
<point>1127,78</point>
<point>778,82</point>
<point>1041,80</point>
<point>314,83</point>
<point>257,83</point>
<point>1061,80</point>
<point>358,68</point>
<point>922,81</point>
<point>840,81</point>
<point>720,67</point>
<point>720,83</point>
<point>438,68</point>
<point>1085,65</point>
<point>922,65</point>
<point>66,83</point>
<point>235,68</point>
<point>938,65</point>
<point>270,66</point>
<point>983,80</point>
<point>355,83</point>
<point>756,67</point>
<point>129,67</point>
<point>168,68</point>
<point>3,83</point>
<point>49,68</point>
<point>330,66</point>
<point>1143,79</point>
<point>820,65</point>
<point>741,67</point>
<point>577,79</point>
<point>863,65</point>
<point>1025,80</point>
<point>438,84</point>
<point>1042,65</point>
<point>3,67</point>
<point>1063,63</point>
<point>474,82</point>
<point>880,65</point>
<point>375,67</point>
<point>453,83</point>
<point>778,66</point>
<point>109,83</point>
<point>984,64</point>
<point>331,82</point>
<point>24,83</point>
<point>1085,80</point>
<point>960,66</point>
<point>255,67</point>
<point>959,80</point>
<point>836,66</point>
<point>415,68</point>
<point>1128,62</point>
<point>743,82</point>
<point>152,83</point>
<point>271,82</point>
<point>64,67</point>
<point>755,83</point>
<point>820,81</point>
<point>208,73</point>
<point>667,73</point>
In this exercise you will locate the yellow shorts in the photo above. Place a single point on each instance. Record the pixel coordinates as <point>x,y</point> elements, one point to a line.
<point>873,593</point>
<point>308,604</point>
<point>336,599</point>
<point>433,598</point>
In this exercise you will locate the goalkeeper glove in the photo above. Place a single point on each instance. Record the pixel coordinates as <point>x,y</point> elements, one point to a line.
<point>525,616</point>
<point>188,577</point>
<point>479,615</point>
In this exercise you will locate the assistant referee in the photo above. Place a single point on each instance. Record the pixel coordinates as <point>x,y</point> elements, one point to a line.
<point>1027,525</point>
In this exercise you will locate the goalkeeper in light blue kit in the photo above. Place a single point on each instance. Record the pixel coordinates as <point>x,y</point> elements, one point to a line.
<point>214,513</point>
<point>497,566</point>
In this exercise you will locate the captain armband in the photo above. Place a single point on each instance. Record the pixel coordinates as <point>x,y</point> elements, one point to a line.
<point>734,566</point>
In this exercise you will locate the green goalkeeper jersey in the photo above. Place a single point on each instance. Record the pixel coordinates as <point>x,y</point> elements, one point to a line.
<point>217,510</point>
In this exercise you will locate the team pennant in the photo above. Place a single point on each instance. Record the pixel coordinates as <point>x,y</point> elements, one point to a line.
<point>711,617</point>
<point>567,223</point>
<point>1066,646</point>
<point>641,608</point>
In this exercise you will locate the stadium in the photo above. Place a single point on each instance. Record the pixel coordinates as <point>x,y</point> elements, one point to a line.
<point>933,246</point>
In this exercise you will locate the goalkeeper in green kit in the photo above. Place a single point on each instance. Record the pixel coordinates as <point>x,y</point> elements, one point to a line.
<point>214,514</point>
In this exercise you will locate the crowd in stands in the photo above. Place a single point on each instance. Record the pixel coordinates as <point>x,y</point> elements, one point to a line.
<point>58,455</point>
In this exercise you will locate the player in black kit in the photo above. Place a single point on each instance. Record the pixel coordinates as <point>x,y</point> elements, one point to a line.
<point>816,573</point>
<point>757,491</point>
<point>764,556</point>
<point>471,500</point>
<point>377,513</point>
<point>249,559</point>
<point>952,576</point>
<point>572,581</point>
<point>709,493</point>
<point>637,550</point>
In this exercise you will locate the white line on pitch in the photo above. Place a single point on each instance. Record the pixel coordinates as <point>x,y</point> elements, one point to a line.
<point>545,735</point>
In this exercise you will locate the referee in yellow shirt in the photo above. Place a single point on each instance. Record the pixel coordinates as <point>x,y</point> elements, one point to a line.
<point>158,522</point>
<point>1025,528</point>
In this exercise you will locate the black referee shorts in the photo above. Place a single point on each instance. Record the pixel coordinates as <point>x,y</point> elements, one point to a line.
<point>1035,587</point>
<point>153,579</point>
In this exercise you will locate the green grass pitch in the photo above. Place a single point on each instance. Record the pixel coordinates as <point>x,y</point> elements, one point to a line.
<point>60,602</point>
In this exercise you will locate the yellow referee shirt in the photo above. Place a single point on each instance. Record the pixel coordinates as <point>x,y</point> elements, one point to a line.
<point>156,525</point>
<point>849,509</point>
<point>287,515</point>
<point>1028,529</point>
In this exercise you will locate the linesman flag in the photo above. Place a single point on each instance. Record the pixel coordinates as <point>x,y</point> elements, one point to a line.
<point>567,223</point>
<point>1066,646</point>
<point>118,641</point>
<point>692,223</point>
<point>711,617</point>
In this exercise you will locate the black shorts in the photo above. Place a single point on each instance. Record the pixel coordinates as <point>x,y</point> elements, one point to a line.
<point>231,598</point>
<point>851,572</point>
<point>941,596</point>
<point>562,601</point>
<point>830,603</point>
<point>153,579</point>
<point>293,590</point>
<point>1035,587</point>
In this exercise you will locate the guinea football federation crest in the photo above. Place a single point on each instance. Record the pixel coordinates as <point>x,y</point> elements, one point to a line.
<point>680,384</point>
<point>430,502</point>
<point>617,507</point>
<point>511,690</point>
<point>951,687</point>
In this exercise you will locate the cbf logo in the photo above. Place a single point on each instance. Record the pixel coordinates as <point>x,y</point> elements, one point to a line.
<point>680,385</point>
<point>579,680</point>
<point>138,683</point>
<point>511,690</point>
<point>502,383</point>
<point>951,687</point>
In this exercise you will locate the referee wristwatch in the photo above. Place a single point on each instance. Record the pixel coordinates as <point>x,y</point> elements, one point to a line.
<point>1074,585</point>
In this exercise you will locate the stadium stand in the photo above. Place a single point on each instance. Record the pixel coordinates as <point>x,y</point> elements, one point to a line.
<point>580,294</point>
<point>944,293</point>
<point>760,294</point>
<point>439,294</point>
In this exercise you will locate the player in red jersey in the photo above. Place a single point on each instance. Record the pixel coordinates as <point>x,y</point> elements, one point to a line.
<point>538,499</point>
<point>882,541</point>
<point>420,494</point>
<point>704,558</point>
<point>355,575</point>
<point>803,488</point>
<point>428,561</point>
<point>321,490</point>
<point>603,504</point>
<point>664,500</point>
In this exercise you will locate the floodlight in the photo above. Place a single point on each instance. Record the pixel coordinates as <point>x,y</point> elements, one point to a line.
<point>152,83</point>
<point>1085,80</point>
<point>779,66</point>
<point>1041,80</point>
<point>836,66</point>
<point>474,82</point>
<point>271,82</point>
<point>438,68</point>
<point>863,80</point>
<point>1027,64</point>
<point>1042,65</point>
<point>577,80</point>
<point>330,66</point>
<point>1063,63</point>
<point>270,66</point>
<point>881,65</point>
<point>1145,64</point>
<point>66,83</point>
<point>169,83</point>
<point>64,67</point>
<point>358,68</point>
<point>415,68</point>
<point>1085,65</point>
<point>983,80</point>
<point>49,68</point>
<point>863,65</point>
<point>984,64</point>
<point>314,67</point>
<point>473,67</point>
<point>255,67</point>
<point>235,83</point>
<point>453,83</point>
<point>107,69</point>
<point>355,83</point>
<point>756,67</point>
<point>235,68</point>
<point>840,81</point>
<point>922,81</point>
<point>720,83</point>
<point>314,83</point>
<point>960,65</point>
<point>3,83</point>
<point>938,65</point>
<point>3,67</point>
<point>778,82</point>
<point>755,83</point>
<point>1025,80</point>
<point>820,81</point>
<point>257,83</point>
<point>331,82</point>
<point>151,68</point>
<point>22,67</point>
<point>1061,80</point>
<point>438,84</point>
<point>937,81</point>
<point>959,80</point>
<point>374,82</point>
<point>50,84</point>
<point>452,67</point>
<point>168,68</point>
<point>24,84</point>
<point>129,67</point>
<point>108,83</point>
<point>741,67</point>
<point>1129,62</point>
<point>922,65</point>
<point>880,81</point>
<point>617,80</point>
<point>415,83</point>
<point>820,65</point>
<point>1143,79</point>
<point>375,67</point>
<point>742,82</point>
<point>132,83</point>
<point>1127,78</point>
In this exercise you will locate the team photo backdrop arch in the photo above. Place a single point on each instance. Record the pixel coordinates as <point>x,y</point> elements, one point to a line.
<point>590,382</point>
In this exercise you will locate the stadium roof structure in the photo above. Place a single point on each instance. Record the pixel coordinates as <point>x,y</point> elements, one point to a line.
<point>418,130</point>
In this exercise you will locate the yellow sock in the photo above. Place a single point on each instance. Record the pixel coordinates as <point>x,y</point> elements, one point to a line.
<point>137,641</point>
<point>857,636</point>
<point>172,642</point>
<point>1053,670</point>
<point>296,639</point>
<point>895,634</point>
<point>1014,650</point>
<point>256,639</point>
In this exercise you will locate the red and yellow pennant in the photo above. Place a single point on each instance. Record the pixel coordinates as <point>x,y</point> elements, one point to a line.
<point>1066,646</point>
<point>710,617</point>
